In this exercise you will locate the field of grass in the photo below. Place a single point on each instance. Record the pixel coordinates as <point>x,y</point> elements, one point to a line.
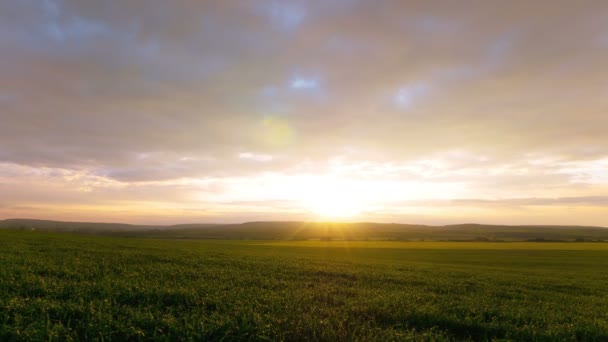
<point>56,286</point>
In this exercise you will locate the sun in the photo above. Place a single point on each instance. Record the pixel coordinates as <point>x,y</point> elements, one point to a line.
<point>336,207</point>
<point>333,201</point>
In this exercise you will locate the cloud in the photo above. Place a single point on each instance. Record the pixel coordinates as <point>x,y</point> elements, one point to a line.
<point>145,92</point>
<point>255,157</point>
<point>601,201</point>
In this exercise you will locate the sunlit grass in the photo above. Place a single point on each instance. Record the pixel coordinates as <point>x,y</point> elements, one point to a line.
<point>68,287</point>
<point>573,246</point>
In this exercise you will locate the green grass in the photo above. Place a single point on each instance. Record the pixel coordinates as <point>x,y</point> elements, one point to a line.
<point>68,287</point>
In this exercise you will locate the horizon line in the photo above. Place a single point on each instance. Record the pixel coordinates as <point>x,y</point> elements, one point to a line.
<point>311,221</point>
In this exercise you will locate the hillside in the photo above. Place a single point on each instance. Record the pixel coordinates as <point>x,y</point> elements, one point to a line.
<point>79,227</point>
<point>321,231</point>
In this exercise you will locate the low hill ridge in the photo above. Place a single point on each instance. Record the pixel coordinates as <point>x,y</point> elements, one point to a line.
<point>294,230</point>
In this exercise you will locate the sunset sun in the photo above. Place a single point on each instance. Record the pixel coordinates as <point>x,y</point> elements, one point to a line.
<point>336,206</point>
<point>337,200</point>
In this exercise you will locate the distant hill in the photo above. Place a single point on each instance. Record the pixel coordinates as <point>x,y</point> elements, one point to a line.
<point>321,231</point>
<point>80,227</point>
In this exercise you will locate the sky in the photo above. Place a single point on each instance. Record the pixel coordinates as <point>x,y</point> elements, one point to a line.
<point>430,112</point>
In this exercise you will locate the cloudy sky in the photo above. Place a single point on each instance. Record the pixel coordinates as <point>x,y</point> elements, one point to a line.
<point>227,111</point>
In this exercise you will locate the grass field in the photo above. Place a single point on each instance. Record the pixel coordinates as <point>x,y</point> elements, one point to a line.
<point>56,286</point>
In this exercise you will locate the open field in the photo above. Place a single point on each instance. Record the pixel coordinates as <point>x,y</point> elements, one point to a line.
<point>64,286</point>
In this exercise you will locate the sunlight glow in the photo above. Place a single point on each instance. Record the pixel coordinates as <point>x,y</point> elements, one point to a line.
<point>331,198</point>
<point>337,205</point>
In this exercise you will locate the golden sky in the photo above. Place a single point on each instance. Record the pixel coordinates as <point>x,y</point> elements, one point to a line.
<point>227,111</point>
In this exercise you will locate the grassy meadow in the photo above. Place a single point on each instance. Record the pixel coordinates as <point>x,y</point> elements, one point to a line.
<point>58,286</point>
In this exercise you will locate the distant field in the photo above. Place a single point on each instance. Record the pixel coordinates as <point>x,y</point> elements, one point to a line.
<point>560,246</point>
<point>57,286</point>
